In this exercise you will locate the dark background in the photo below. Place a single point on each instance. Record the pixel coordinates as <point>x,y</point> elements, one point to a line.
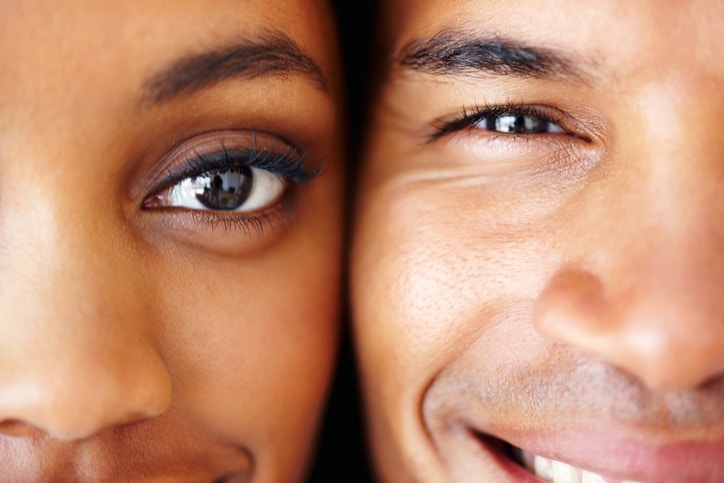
<point>342,455</point>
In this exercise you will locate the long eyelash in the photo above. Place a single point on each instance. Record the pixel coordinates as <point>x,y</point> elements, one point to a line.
<point>471,116</point>
<point>279,217</point>
<point>289,164</point>
<point>292,164</point>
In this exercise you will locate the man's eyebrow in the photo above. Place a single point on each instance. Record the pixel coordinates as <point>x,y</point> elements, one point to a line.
<point>274,54</point>
<point>467,53</point>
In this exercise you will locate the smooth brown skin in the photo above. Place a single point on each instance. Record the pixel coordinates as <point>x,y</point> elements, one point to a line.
<point>146,344</point>
<point>544,281</point>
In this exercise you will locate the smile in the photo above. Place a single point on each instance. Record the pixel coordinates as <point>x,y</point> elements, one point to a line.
<point>574,457</point>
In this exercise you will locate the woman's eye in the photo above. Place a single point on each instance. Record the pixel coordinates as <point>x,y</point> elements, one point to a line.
<point>518,124</point>
<point>241,188</point>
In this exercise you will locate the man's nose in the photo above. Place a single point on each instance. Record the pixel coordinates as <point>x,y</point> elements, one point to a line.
<point>669,337</point>
<point>76,348</point>
<point>643,288</point>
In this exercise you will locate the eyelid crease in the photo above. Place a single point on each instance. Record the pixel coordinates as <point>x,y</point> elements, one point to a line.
<point>219,149</point>
<point>290,164</point>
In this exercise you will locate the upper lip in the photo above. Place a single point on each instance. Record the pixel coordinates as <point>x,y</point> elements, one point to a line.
<point>568,406</point>
<point>625,458</point>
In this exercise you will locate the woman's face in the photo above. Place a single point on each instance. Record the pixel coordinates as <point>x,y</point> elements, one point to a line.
<point>537,266</point>
<point>170,233</point>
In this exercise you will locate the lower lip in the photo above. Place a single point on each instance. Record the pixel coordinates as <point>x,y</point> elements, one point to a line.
<point>616,458</point>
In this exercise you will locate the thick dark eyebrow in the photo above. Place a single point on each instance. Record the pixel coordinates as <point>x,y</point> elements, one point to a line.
<point>273,54</point>
<point>467,53</point>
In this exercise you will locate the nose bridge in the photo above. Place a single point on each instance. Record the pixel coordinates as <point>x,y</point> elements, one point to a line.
<point>645,292</point>
<point>671,312</point>
<point>668,228</point>
<point>61,258</point>
<point>74,330</point>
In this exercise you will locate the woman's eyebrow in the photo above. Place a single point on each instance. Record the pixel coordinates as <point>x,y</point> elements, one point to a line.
<point>468,53</point>
<point>274,54</point>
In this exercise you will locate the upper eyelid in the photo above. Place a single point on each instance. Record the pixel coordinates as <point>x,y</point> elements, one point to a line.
<point>290,164</point>
<point>211,149</point>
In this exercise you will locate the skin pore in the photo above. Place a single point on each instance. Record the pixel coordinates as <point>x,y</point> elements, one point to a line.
<point>171,229</point>
<point>536,261</point>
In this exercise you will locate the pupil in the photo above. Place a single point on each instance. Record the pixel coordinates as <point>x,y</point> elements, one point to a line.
<point>520,124</point>
<point>510,124</point>
<point>227,190</point>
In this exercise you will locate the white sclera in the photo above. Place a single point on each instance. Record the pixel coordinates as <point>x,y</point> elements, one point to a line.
<point>266,188</point>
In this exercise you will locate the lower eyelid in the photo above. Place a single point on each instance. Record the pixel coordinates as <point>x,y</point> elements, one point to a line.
<point>274,219</point>
<point>229,233</point>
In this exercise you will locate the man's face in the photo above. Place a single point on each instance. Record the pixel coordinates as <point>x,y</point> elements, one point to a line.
<point>537,264</point>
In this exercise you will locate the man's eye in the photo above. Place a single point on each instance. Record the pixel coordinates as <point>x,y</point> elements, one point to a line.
<point>242,188</point>
<point>517,124</point>
<point>513,120</point>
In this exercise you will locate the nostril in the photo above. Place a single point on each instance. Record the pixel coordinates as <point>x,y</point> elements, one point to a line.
<point>98,399</point>
<point>134,417</point>
<point>18,428</point>
<point>570,308</point>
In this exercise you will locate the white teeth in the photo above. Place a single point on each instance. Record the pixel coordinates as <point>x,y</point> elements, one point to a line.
<point>563,473</point>
<point>588,477</point>
<point>558,472</point>
<point>542,468</point>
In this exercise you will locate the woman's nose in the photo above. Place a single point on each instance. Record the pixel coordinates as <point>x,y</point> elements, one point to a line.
<point>76,348</point>
<point>76,391</point>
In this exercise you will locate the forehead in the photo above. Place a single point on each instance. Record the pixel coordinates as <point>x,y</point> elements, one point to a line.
<point>87,52</point>
<point>131,18</point>
<point>39,33</point>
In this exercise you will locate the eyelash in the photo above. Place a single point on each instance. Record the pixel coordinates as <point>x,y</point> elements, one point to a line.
<point>470,118</point>
<point>291,165</point>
